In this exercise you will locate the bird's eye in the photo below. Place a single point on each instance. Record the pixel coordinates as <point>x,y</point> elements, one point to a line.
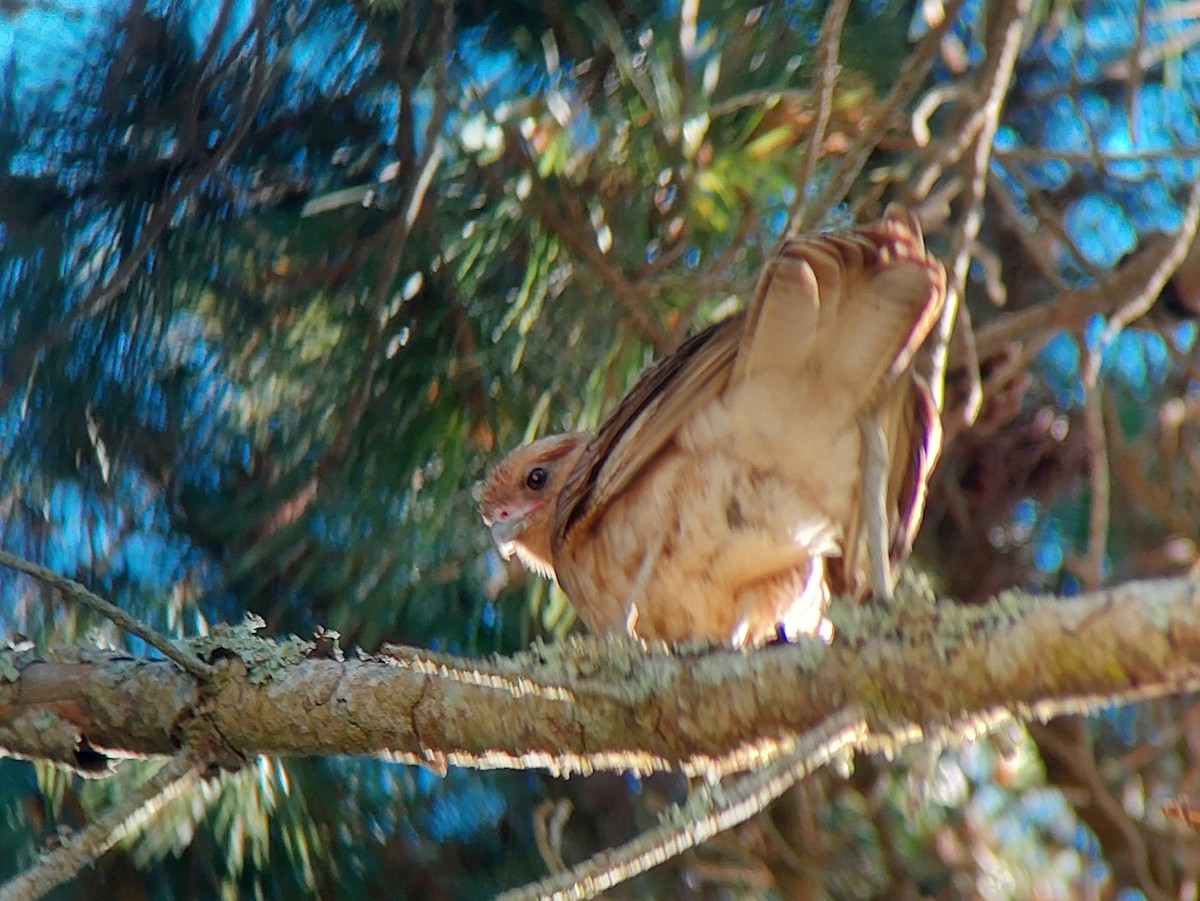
<point>536,478</point>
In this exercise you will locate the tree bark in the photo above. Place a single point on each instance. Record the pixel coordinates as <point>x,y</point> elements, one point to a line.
<point>585,704</point>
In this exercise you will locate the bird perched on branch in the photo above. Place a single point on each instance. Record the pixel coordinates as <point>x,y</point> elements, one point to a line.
<point>777,458</point>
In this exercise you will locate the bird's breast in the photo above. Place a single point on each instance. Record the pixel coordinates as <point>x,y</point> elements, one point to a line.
<point>724,535</point>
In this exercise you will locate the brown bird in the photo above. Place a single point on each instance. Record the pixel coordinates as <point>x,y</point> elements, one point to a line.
<point>777,458</point>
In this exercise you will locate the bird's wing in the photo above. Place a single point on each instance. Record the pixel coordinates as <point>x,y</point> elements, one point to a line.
<point>645,422</point>
<point>841,314</point>
<point>838,318</point>
<point>831,313</point>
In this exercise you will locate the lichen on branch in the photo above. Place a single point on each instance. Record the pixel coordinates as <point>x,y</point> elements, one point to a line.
<point>919,668</point>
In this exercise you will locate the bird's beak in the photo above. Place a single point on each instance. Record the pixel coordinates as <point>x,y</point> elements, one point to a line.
<point>504,533</point>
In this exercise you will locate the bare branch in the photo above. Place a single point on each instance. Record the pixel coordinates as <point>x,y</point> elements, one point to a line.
<point>1135,71</point>
<point>73,591</point>
<point>1092,566</point>
<point>1068,742</point>
<point>1071,309</point>
<point>1139,304</point>
<point>827,58</point>
<point>686,827</point>
<point>1150,55</point>
<point>1043,154</point>
<point>995,80</point>
<point>1037,248</point>
<point>882,118</point>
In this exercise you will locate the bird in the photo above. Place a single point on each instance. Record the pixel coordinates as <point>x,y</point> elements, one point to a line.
<point>778,458</point>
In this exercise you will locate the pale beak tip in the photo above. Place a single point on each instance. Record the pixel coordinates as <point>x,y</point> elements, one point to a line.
<point>501,532</point>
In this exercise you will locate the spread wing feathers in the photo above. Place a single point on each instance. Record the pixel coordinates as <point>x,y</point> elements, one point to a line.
<point>845,311</point>
<point>645,422</point>
<point>864,300</point>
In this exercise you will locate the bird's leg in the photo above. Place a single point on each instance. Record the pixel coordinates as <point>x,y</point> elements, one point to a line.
<point>876,466</point>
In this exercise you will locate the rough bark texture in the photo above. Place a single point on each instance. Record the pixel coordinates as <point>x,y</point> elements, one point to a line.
<point>614,704</point>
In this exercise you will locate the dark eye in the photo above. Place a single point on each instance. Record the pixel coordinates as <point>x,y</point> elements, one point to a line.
<point>536,478</point>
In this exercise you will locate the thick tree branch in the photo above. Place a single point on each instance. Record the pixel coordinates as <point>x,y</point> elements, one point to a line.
<point>588,704</point>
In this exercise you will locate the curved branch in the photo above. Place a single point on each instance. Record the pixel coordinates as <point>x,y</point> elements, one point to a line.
<point>78,593</point>
<point>707,813</point>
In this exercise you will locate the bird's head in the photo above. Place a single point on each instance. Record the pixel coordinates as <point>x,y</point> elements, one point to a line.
<point>517,498</point>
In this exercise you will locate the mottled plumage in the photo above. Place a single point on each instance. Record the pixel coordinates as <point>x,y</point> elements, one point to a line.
<point>724,496</point>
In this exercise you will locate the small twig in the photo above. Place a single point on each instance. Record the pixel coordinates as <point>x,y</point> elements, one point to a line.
<point>947,152</point>
<point>1133,86</point>
<point>993,278</point>
<point>1078,756</point>
<point>995,78</point>
<point>746,797</point>
<point>1150,55</point>
<point>208,80</point>
<point>567,230</point>
<point>1169,732</point>
<point>85,846</point>
<point>1139,305</point>
<point>743,874</point>
<point>572,235</point>
<point>600,18</point>
<point>827,58</point>
<point>963,338</point>
<point>1050,224</point>
<point>1049,154</point>
<point>761,97</point>
<point>73,591</point>
<point>1074,94</point>
<point>1091,567</point>
<point>549,820</point>
<point>935,98</point>
<point>883,118</point>
<point>1037,248</point>
<point>713,281</point>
